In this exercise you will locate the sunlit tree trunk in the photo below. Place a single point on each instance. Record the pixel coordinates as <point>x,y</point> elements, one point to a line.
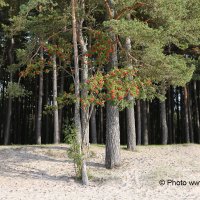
<point>77,92</point>
<point>40,98</point>
<point>84,75</point>
<point>55,103</point>
<point>163,118</point>
<point>130,113</point>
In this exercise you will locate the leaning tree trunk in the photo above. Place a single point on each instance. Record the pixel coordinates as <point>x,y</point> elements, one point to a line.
<point>113,157</point>
<point>163,118</point>
<point>9,108</point>
<point>40,98</point>
<point>130,113</point>
<point>55,103</point>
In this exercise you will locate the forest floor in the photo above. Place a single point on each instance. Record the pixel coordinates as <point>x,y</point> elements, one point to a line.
<point>45,173</point>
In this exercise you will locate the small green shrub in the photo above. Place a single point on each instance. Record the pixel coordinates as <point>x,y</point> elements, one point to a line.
<point>74,151</point>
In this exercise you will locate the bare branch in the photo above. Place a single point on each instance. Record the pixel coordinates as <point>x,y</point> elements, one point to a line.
<point>127,9</point>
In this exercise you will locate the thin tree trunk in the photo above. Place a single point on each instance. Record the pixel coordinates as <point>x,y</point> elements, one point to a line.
<point>9,110</point>
<point>77,92</point>
<point>55,103</point>
<point>186,117</point>
<point>93,127</point>
<point>84,76</point>
<point>172,115</point>
<point>139,127</point>
<point>60,112</point>
<point>163,118</point>
<point>178,105</point>
<point>101,125</point>
<point>169,116</point>
<point>144,124</point>
<point>196,111</point>
<point>190,115</point>
<point>130,113</point>
<point>40,98</point>
<point>77,118</point>
<point>46,116</point>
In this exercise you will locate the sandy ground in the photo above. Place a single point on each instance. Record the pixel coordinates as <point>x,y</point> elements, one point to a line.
<point>45,172</point>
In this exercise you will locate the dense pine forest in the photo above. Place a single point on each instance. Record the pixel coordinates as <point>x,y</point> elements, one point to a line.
<point>112,71</point>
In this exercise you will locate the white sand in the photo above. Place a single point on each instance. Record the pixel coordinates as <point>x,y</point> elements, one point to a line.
<point>45,173</point>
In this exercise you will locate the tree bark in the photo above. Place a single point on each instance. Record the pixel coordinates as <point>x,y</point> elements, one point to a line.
<point>9,108</point>
<point>139,127</point>
<point>172,114</point>
<point>60,112</point>
<point>196,111</point>
<point>40,99</point>
<point>55,103</point>
<point>93,127</point>
<point>144,124</point>
<point>163,118</point>
<point>77,93</point>
<point>130,113</point>
<point>169,114</point>
<point>113,157</point>
<point>112,137</point>
<point>47,116</point>
<point>186,116</point>
<point>84,76</point>
<point>190,115</point>
<point>77,118</point>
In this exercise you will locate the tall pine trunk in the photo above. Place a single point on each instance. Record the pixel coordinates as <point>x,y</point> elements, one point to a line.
<point>113,157</point>
<point>55,103</point>
<point>9,108</point>
<point>47,116</point>
<point>60,112</point>
<point>40,98</point>
<point>130,113</point>
<point>145,134</point>
<point>190,115</point>
<point>196,111</point>
<point>139,127</point>
<point>112,137</point>
<point>163,119</point>
<point>186,116</point>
